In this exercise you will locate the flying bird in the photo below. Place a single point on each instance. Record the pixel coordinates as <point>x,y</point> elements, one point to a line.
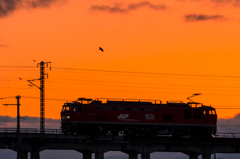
<point>20,78</point>
<point>101,49</point>
<point>33,60</point>
<point>196,94</point>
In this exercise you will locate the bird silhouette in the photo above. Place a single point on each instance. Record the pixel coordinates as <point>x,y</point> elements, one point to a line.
<point>101,49</point>
<point>33,60</point>
<point>20,78</point>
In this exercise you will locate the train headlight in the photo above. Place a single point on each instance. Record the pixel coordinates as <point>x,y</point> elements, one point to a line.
<point>66,117</point>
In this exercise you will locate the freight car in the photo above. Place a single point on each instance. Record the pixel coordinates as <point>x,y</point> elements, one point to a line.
<point>114,117</point>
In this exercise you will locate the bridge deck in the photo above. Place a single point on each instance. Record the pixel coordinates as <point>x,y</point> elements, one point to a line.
<point>33,141</point>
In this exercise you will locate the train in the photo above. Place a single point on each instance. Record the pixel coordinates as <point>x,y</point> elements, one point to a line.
<point>138,118</point>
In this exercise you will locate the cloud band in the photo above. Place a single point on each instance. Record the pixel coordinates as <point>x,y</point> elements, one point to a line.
<point>9,6</point>
<point>202,17</point>
<point>130,7</point>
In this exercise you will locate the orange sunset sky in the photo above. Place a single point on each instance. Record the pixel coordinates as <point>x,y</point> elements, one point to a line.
<point>164,50</point>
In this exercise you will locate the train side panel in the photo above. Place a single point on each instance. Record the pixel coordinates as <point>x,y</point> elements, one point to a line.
<point>156,119</point>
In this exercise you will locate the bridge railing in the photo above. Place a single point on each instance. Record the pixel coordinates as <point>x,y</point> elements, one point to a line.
<point>53,131</point>
<point>14,130</point>
<point>30,130</point>
<point>227,135</point>
<point>59,131</point>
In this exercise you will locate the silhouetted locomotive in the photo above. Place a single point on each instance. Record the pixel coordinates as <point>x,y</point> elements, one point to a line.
<point>114,117</point>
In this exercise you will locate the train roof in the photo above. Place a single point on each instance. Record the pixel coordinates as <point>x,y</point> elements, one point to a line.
<point>114,102</point>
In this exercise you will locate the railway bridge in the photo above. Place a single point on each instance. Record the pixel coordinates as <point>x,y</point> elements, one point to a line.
<point>34,142</point>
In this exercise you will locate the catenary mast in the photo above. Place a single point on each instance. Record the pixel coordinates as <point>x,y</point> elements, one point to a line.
<point>42,93</point>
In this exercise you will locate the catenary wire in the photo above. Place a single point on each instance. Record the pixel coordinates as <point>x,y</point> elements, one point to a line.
<point>149,87</point>
<point>164,76</point>
<point>129,91</point>
<point>134,83</point>
<point>152,73</point>
<point>58,99</point>
<point>17,67</point>
<point>128,72</point>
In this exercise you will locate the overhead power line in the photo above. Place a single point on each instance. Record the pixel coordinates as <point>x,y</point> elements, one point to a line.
<point>17,67</point>
<point>148,73</point>
<point>135,83</point>
<point>143,86</point>
<point>132,91</point>
<point>141,91</point>
<point>8,97</point>
<point>53,99</point>
<point>130,72</point>
<point>60,99</point>
<point>17,70</point>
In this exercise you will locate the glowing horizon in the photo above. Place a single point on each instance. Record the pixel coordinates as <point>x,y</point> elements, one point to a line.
<point>177,40</point>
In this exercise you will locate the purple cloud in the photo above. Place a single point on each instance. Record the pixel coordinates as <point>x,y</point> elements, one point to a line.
<point>28,122</point>
<point>235,3</point>
<point>130,7</point>
<point>202,17</point>
<point>9,6</point>
<point>229,125</point>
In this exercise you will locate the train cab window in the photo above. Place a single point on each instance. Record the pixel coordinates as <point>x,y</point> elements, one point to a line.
<point>67,108</point>
<point>197,114</point>
<point>212,112</point>
<point>187,114</point>
<point>167,117</point>
<point>204,112</point>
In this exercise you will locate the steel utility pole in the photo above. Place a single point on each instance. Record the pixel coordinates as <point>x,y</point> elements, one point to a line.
<point>42,93</point>
<point>19,144</point>
<point>42,98</point>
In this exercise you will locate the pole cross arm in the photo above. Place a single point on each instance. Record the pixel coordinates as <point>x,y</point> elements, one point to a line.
<point>42,63</point>
<point>10,104</point>
<point>32,84</point>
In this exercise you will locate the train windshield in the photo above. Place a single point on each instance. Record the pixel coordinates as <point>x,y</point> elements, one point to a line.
<point>76,108</point>
<point>67,108</point>
<point>212,112</point>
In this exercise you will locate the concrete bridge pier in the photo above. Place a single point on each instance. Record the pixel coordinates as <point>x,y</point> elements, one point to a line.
<point>206,156</point>
<point>86,154</point>
<point>132,155</point>
<point>24,155</point>
<point>99,155</point>
<point>35,154</point>
<point>145,155</point>
<point>100,150</point>
<point>193,156</point>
